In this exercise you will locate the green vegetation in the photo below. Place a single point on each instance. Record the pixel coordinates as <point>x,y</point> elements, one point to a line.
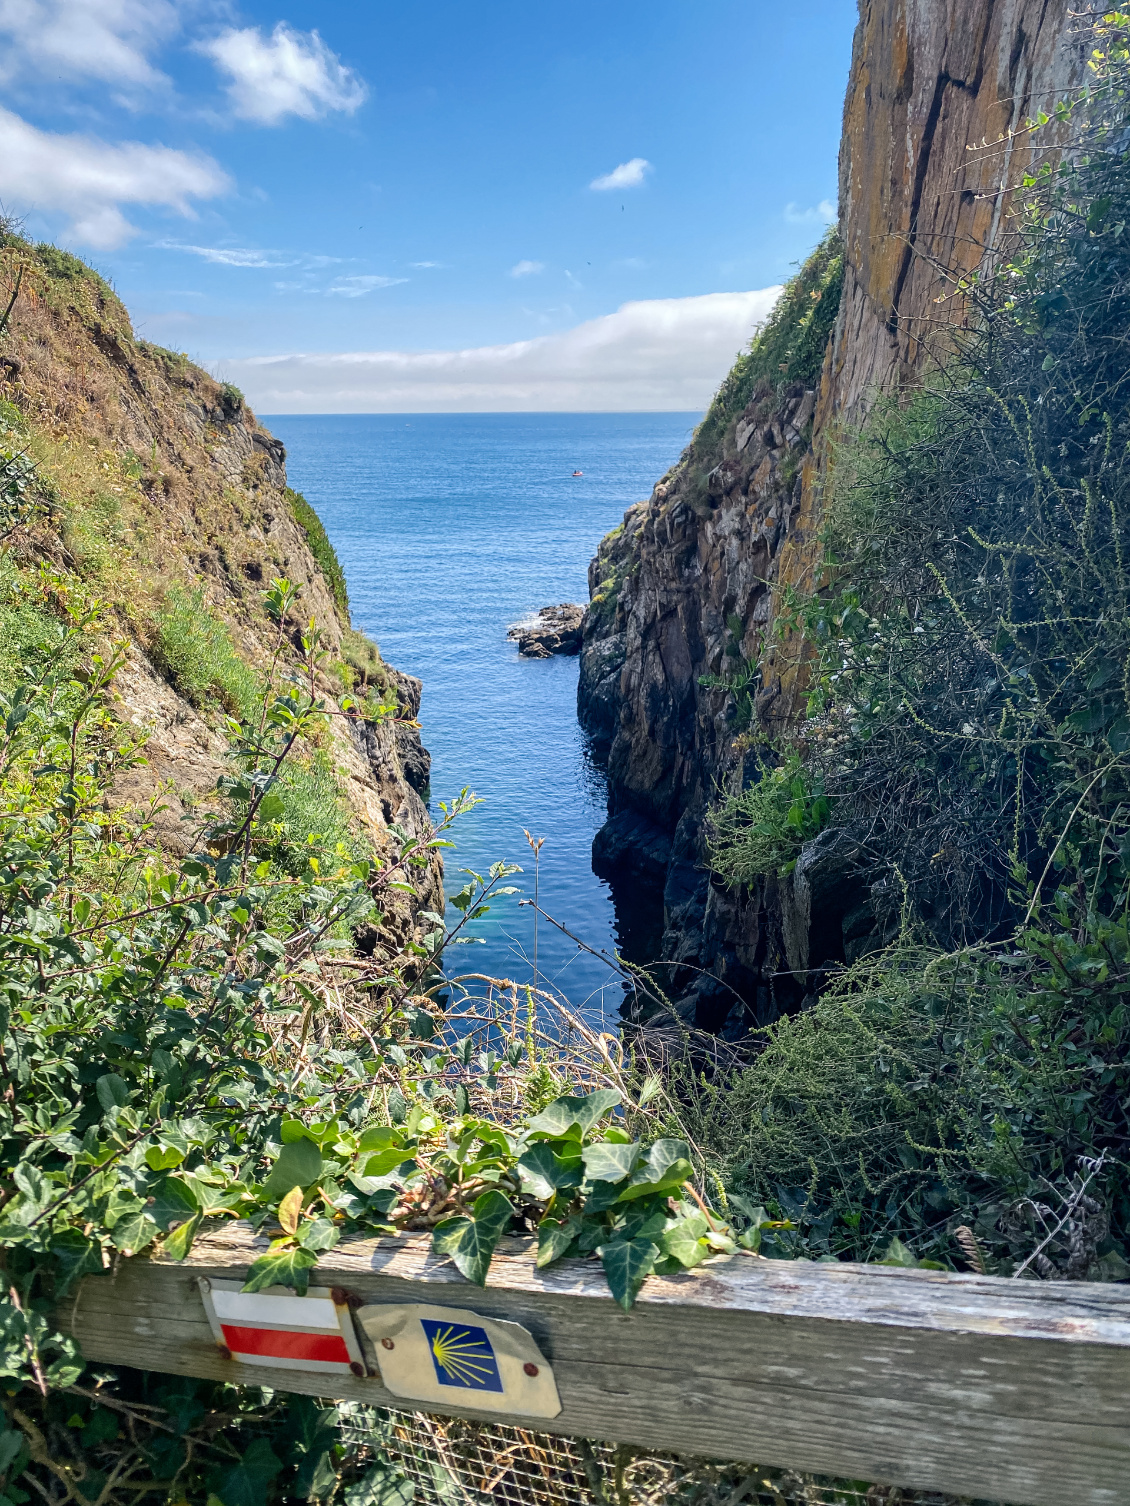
<point>321,548</point>
<point>193,649</point>
<point>790,345</point>
<point>175,362</point>
<point>194,1038</point>
<point>203,1059</point>
<point>61,264</point>
<point>969,730</point>
<point>761,829</point>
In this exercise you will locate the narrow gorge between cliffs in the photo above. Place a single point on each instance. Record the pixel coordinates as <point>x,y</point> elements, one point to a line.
<point>450,528</point>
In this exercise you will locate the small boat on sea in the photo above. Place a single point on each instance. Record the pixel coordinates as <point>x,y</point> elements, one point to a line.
<point>578,473</point>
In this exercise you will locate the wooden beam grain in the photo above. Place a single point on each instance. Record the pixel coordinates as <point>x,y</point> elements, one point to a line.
<point>1013,1390</point>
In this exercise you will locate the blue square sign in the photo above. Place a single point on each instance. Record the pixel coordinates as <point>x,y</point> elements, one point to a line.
<point>462,1356</point>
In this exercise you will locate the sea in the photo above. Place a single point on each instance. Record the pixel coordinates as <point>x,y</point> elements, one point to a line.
<point>451,528</point>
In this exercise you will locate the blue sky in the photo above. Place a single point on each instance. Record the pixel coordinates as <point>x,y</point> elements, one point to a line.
<point>274,180</point>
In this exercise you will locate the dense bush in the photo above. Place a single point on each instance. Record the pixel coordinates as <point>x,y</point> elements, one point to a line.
<point>969,722</point>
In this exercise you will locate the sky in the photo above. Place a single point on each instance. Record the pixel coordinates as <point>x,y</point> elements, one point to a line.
<point>349,207</point>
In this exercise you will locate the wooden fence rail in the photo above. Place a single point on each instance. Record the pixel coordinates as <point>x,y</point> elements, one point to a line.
<point>1016,1391</point>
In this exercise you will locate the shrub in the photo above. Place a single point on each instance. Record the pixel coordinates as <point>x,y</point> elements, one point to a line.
<point>761,829</point>
<point>61,264</point>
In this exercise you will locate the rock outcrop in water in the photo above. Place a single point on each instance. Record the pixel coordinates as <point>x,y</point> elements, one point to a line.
<point>680,666</point>
<point>556,630</point>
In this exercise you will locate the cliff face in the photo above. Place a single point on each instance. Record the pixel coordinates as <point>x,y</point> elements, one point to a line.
<point>680,665</point>
<point>165,488</point>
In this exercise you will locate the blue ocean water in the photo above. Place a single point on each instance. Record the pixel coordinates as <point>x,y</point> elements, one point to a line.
<point>451,527</point>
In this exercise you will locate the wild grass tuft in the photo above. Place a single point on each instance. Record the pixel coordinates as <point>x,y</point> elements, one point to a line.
<point>194,650</point>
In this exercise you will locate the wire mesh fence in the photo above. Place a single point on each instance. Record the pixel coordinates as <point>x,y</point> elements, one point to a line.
<point>416,1458</point>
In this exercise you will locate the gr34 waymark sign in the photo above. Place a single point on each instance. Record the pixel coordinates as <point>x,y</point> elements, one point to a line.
<point>971,1385</point>
<point>425,1354</point>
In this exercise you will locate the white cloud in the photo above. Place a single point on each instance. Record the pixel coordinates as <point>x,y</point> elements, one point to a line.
<point>231,256</point>
<point>664,353</point>
<point>357,287</point>
<point>627,175</point>
<point>89,179</point>
<point>820,214</point>
<point>423,265</point>
<point>289,73</point>
<point>103,39</point>
<point>527,268</point>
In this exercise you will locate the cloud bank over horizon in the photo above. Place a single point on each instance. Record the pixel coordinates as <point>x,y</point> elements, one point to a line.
<point>654,355</point>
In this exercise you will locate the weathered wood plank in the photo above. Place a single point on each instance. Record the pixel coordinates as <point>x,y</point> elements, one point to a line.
<point>1018,1391</point>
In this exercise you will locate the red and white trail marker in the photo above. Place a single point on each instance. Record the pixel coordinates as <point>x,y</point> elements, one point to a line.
<point>278,1329</point>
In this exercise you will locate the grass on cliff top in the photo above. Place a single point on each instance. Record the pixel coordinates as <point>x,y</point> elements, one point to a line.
<point>789,346</point>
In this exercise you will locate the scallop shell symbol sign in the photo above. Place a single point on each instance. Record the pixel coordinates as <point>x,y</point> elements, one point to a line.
<point>449,1355</point>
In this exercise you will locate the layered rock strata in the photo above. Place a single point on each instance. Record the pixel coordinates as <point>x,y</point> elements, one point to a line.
<point>680,664</point>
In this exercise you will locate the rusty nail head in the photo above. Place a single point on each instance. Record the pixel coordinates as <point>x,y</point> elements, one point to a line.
<point>225,1351</point>
<point>530,1368</point>
<point>357,1369</point>
<point>387,1344</point>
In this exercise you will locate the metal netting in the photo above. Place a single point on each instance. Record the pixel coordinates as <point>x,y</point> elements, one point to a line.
<point>414,1457</point>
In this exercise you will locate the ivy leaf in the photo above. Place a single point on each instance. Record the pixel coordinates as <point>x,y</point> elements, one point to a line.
<point>566,1114</point>
<point>216,1199</point>
<point>318,1234</point>
<point>134,1229</point>
<point>289,1210</point>
<point>470,1242</point>
<point>179,1242</point>
<point>385,1161</point>
<point>662,1168</point>
<point>544,1172</point>
<point>899,1254</point>
<point>607,1162</point>
<point>283,1267</point>
<point>685,1240</point>
<point>299,1165</point>
<point>173,1201</point>
<point>163,1157</point>
<point>555,1238</point>
<point>77,1256</point>
<point>383,1485</point>
<point>249,1483</point>
<point>627,1263</point>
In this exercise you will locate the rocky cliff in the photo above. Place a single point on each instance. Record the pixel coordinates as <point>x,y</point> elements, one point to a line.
<point>164,497</point>
<point>682,672</point>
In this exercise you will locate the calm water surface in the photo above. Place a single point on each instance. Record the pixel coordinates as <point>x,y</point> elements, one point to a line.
<point>451,527</point>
